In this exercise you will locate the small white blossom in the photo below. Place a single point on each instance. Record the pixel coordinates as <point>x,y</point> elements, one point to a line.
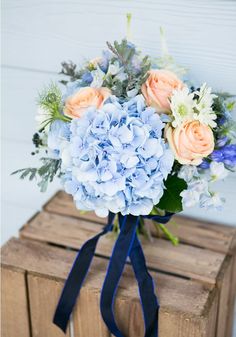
<point>212,201</point>
<point>114,68</point>
<point>196,189</point>
<point>197,192</point>
<point>190,198</point>
<point>188,172</point>
<point>132,93</point>
<point>98,78</point>
<point>182,106</point>
<point>218,171</point>
<point>203,108</point>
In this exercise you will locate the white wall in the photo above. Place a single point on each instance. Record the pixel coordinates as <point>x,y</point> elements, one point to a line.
<point>38,35</point>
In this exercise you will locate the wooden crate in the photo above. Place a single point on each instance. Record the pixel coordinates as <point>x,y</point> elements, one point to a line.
<point>196,281</point>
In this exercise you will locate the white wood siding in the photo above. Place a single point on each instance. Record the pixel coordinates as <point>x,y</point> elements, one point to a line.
<point>38,35</point>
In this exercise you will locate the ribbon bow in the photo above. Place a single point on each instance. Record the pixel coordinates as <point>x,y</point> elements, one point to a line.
<point>127,244</point>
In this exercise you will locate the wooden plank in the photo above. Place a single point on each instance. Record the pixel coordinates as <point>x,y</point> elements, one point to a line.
<point>14,84</point>
<point>87,317</point>
<point>187,261</point>
<point>186,327</point>
<point>194,34</point>
<point>211,323</point>
<point>213,236</point>
<point>194,303</point>
<point>224,284</point>
<point>231,311</point>
<point>44,294</point>
<point>14,306</point>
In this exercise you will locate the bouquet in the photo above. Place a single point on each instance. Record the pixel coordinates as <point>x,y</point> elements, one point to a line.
<point>130,138</point>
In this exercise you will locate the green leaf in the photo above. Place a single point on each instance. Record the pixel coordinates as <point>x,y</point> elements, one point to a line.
<point>230,105</point>
<point>46,173</point>
<point>171,200</point>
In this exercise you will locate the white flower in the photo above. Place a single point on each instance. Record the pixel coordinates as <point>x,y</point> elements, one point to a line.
<point>132,93</point>
<point>203,108</point>
<point>190,198</point>
<point>188,172</point>
<point>114,68</point>
<point>196,189</point>
<point>182,106</point>
<point>41,118</point>
<point>212,201</point>
<point>218,171</point>
<point>98,78</point>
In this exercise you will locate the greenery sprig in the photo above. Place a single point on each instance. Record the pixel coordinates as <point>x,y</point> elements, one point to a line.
<point>46,173</point>
<point>50,101</point>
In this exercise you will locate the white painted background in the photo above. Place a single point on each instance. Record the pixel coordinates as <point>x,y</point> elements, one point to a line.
<point>38,35</point>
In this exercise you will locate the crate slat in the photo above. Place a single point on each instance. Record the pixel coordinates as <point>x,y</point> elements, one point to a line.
<point>188,310</point>
<point>196,281</point>
<point>87,317</point>
<point>196,232</point>
<point>224,282</point>
<point>14,303</point>
<point>232,293</point>
<point>71,232</point>
<point>44,294</point>
<point>215,237</point>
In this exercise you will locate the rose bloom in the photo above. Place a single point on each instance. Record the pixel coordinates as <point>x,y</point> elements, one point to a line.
<point>86,97</point>
<point>190,142</point>
<point>159,87</point>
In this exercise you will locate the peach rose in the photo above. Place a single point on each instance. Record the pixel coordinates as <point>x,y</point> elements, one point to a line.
<point>159,87</point>
<point>86,97</point>
<point>190,142</point>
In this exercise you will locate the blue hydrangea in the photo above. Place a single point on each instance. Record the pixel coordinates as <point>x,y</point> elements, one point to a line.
<point>116,159</point>
<point>58,138</point>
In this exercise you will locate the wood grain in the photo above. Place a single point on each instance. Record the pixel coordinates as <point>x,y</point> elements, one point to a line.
<point>195,32</point>
<point>24,85</point>
<point>186,261</point>
<point>231,312</point>
<point>87,317</point>
<point>44,295</point>
<point>205,234</point>
<point>194,304</point>
<point>224,284</point>
<point>14,305</point>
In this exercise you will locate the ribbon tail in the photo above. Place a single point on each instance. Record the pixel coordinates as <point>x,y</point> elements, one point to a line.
<point>120,253</point>
<point>76,278</point>
<point>150,305</point>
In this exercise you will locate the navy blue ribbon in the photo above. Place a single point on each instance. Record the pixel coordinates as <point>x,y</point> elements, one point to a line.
<point>127,244</point>
<point>76,278</point>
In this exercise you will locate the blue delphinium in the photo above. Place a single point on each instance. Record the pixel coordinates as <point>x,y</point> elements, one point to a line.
<point>205,164</point>
<point>104,61</point>
<point>116,159</point>
<point>226,155</point>
<point>87,78</point>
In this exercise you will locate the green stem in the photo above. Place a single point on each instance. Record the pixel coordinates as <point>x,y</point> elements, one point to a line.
<point>116,227</point>
<point>61,117</point>
<point>168,234</point>
<point>128,26</point>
